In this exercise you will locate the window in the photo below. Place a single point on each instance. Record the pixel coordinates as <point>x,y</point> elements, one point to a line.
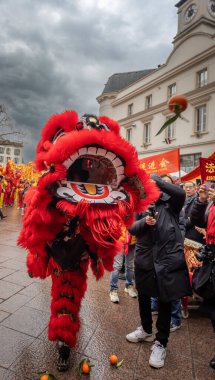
<point>148,101</point>
<point>170,131</point>
<point>129,134</point>
<point>1,149</point>
<point>8,151</point>
<point>16,152</point>
<point>147,134</point>
<point>16,160</point>
<point>189,161</point>
<point>8,159</point>
<point>171,90</point>
<point>202,78</point>
<point>1,158</point>
<point>200,119</point>
<point>130,109</point>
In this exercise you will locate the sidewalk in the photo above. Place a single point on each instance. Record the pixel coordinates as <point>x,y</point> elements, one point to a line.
<point>24,315</point>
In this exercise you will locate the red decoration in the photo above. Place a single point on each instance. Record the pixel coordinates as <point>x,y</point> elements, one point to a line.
<point>176,104</point>
<point>207,168</point>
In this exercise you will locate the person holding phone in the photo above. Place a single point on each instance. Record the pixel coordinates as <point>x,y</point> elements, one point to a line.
<point>191,195</point>
<point>203,215</point>
<point>160,267</point>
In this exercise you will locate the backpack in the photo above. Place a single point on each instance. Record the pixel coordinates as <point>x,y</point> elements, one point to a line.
<point>203,281</point>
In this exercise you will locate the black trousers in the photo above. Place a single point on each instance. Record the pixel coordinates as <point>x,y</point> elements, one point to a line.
<point>163,320</point>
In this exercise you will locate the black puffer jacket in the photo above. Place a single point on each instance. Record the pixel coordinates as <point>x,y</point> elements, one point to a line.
<point>191,232</point>
<point>160,266</point>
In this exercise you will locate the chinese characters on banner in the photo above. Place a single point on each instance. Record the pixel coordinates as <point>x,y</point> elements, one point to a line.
<point>207,168</point>
<point>163,163</point>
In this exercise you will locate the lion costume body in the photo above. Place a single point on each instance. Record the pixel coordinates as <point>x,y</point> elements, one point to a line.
<point>91,187</point>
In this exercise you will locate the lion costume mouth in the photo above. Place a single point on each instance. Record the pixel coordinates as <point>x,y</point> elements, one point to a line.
<point>94,174</point>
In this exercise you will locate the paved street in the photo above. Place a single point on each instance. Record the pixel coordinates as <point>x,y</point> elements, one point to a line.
<point>24,314</point>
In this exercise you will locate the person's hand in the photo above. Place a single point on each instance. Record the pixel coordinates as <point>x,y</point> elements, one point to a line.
<point>211,194</point>
<point>150,220</point>
<point>203,194</point>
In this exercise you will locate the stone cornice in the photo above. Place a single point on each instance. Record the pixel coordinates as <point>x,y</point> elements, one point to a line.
<point>166,76</point>
<point>199,94</point>
<point>156,150</point>
<point>106,95</point>
<point>193,26</point>
<point>11,143</point>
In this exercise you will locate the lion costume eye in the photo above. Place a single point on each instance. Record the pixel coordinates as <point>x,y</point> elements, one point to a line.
<point>60,132</point>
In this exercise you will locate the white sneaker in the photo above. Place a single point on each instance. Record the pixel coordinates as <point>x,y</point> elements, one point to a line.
<point>158,355</point>
<point>174,327</point>
<point>131,291</point>
<point>139,335</point>
<point>114,296</point>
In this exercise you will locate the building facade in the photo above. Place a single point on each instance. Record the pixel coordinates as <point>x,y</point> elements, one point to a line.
<point>138,101</point>
<point>10,150</point>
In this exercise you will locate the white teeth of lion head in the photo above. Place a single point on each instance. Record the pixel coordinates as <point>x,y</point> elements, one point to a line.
<point>94,151</point>
<point>82,151</point>
<point>120,170</point>
<point>117,162</point>
<point>68,162</point>
<point>111,156</point>
<point>101,152</point>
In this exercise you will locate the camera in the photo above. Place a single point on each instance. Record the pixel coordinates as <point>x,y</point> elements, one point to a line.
<point>206,253</point>
<point>151,211</point>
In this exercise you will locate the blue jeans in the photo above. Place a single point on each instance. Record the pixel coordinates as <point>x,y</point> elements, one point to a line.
<point>129,268</point>
<point>175,310</point>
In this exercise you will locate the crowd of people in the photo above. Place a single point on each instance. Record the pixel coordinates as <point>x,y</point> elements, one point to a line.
<point>12,192</point>
<point>155,264</point>
<point>155,268</point>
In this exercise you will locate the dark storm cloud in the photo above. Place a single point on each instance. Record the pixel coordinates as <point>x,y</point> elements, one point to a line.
<point>57,55</point>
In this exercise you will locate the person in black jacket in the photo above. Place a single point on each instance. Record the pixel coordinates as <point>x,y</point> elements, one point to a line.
<point>176,311</point>
<point>160,267</point>
<point>191,195</point>
<point>203,215</point>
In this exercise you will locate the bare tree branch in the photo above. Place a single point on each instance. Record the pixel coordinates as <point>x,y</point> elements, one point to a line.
<point>5,123</point>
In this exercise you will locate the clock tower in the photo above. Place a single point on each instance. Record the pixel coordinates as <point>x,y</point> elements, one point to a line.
<point>194,16</point>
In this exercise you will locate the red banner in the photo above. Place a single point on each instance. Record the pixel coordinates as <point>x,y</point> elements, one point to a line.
<point>207,169</point>
<point>195,173</point>
<point>163,163</point>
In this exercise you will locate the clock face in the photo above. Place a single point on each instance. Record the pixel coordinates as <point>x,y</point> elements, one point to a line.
<point>211,7</point>
<point>190,12</point>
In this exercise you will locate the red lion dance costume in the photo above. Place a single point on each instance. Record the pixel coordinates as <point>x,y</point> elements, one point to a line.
<point>91,188</point>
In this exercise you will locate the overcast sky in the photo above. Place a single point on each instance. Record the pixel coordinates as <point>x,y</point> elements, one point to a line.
<point>58,54</point>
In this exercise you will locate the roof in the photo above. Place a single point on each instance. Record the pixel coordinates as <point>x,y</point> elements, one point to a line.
<point>11,143</point>
<point>180,3</point>
<point>121,80</point>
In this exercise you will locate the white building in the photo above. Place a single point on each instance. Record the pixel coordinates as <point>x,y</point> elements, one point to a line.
<point>138,100</point>
<point>10,150</point>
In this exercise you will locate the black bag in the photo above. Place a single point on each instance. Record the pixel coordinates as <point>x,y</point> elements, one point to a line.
<point>203,282</point>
